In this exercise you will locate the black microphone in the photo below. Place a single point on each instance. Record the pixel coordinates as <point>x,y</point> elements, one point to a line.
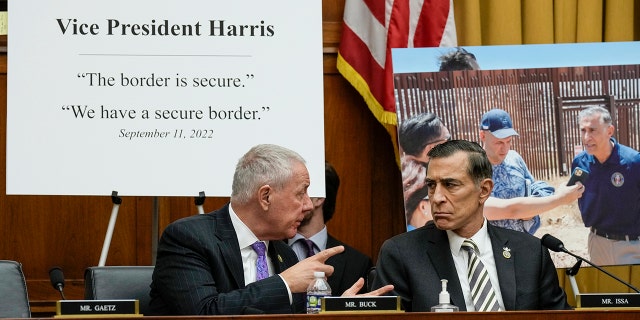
<point>556,245</point>
<point>57,280</point>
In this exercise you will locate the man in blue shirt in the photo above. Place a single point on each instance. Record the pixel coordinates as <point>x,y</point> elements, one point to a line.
<point>610,205</point>
<point>510,173</point>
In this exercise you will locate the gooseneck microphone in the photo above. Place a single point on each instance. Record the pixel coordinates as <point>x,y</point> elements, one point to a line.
<point>57,280</point>
<point>554,244</point>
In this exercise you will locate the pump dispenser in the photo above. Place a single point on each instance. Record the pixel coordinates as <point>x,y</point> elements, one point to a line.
<point>444,300</point>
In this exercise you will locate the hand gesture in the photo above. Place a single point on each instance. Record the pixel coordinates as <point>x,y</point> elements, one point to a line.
<point>299,276</point>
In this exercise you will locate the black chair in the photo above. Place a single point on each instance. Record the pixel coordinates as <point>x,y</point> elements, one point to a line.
<point>370,276</point>
<point>119,282</point>
<point>14,299</point>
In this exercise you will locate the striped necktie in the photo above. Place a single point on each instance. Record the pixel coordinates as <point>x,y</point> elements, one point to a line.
<point>482,293</point>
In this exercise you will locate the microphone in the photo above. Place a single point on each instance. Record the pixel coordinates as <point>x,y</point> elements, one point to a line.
<point>556,245</point>
<point>57,280</point>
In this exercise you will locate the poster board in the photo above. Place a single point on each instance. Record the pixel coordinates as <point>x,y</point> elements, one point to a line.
<point>159,98</point>
<point>460,105</point>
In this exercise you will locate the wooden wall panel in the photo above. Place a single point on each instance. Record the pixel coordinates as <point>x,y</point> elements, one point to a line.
<point>68,231</point>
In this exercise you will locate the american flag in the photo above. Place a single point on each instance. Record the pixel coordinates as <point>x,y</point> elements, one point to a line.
<point>372,27</point>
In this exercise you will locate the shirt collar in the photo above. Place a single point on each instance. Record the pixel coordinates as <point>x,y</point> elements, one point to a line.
<point>319,239</point>
<point>246,237</point>
<point>481,238</point>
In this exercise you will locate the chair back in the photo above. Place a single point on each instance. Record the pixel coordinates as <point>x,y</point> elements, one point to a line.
<point>371,275</point>
<point>119,282</point>
<point>14,299</point>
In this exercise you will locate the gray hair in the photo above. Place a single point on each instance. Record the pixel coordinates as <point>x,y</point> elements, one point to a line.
<point>605,116</point>
<point>263,164</point>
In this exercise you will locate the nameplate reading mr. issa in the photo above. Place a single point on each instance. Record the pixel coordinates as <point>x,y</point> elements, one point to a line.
<point>97,308</point>
<point>361,304</point>
<point>608,300</point>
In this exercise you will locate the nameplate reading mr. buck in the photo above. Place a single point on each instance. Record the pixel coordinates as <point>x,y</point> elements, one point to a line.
<point>361,304</point>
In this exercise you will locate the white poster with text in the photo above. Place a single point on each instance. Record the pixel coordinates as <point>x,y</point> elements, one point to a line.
<point>159,98</point>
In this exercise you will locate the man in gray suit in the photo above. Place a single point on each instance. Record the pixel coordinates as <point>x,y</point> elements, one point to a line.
<point>520,269</point>
<point>207,265</point>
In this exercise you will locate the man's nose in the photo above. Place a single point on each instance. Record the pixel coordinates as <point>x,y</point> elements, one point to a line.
<point>308,205</point>
<point>436,195</point>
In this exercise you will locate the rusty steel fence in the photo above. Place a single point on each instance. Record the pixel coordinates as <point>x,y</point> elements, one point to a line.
<point>543,104</point>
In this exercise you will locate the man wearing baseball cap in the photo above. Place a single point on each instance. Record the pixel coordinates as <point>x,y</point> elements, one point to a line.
<point>510,173</point>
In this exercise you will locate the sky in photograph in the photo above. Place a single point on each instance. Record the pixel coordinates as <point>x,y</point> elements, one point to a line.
<point>523,56</point>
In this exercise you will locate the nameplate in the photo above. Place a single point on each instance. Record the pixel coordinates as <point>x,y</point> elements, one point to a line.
<point>361,304</point>
<point>608,300</point>
<point>97,308</point>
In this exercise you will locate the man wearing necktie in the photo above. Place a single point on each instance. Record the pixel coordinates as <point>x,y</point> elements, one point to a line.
<point>233,261</point>
<point>313,237</point>
<point>488,268</point>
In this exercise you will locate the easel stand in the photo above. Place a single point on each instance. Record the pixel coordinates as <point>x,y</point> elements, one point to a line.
<point>572,272</point>
<point>199,201</point>
<point>112,223</point>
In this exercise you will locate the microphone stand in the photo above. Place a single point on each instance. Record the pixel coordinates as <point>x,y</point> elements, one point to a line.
<point>601,269</point>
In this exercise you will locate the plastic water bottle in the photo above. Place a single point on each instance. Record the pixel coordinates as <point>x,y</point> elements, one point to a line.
<point>317,289</point>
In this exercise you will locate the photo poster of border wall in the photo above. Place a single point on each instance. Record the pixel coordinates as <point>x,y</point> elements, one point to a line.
<point>542,87</point>
<point>159,98</point>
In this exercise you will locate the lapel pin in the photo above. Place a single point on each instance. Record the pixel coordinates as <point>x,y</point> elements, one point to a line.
<point>506,253</point>
<point>280,258</point>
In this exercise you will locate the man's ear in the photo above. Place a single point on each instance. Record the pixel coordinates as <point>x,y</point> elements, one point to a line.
<point>486,186</point>
<point>317,202</point>
<point>482,135</point>
<point>264,196</point>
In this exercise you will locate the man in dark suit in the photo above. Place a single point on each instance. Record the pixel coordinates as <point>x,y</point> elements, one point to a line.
<point>313,237</point>
<point>207,265</point>
<point>521,272</point>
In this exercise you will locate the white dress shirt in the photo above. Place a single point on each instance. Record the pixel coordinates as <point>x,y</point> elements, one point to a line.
<point>461,257</point>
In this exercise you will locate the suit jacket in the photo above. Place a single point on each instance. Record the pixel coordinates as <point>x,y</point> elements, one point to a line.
<point>348,267</point>
<point>415,262</point>
<point>199,271</point>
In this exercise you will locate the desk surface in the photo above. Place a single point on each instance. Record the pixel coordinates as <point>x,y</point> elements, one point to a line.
<point>519,315</point>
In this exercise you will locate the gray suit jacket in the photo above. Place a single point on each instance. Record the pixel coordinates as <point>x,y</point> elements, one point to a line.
<point>415,262</point>
<point>199,272</point>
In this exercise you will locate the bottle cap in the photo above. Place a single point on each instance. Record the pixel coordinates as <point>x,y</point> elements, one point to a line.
<point>318,274</point>
<point>444,295</point>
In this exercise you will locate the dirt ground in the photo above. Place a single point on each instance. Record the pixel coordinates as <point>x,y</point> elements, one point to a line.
<point>565,223</point>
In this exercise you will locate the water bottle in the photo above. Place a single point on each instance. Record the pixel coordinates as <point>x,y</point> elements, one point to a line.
<point>317,289</point>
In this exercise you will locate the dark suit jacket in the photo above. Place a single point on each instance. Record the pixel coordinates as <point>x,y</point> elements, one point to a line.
<point>348,267</point>
<point>199,271</point>
<point>415,262</point>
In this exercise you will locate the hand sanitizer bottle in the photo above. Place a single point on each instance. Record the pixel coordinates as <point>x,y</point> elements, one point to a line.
<point>444,300</point>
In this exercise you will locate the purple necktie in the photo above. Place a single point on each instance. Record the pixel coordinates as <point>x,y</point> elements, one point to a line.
<point>261,266</point>
<point>310,245</point>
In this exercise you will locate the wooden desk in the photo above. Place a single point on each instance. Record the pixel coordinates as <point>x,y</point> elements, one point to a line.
<point>515,315</point>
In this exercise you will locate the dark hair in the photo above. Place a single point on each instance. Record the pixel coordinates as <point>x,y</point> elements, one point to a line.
<point>479,167</point>
<point>332,183</point>
<point>460,59</point>
<point>418,131</point>
<point>414,200</point>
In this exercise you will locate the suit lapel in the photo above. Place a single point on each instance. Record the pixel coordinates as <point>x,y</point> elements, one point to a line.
<point>505,266</point>
<point>338,261</point>
<point>228,243</point>
<point>440,255</point>
<point>277,258</point>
